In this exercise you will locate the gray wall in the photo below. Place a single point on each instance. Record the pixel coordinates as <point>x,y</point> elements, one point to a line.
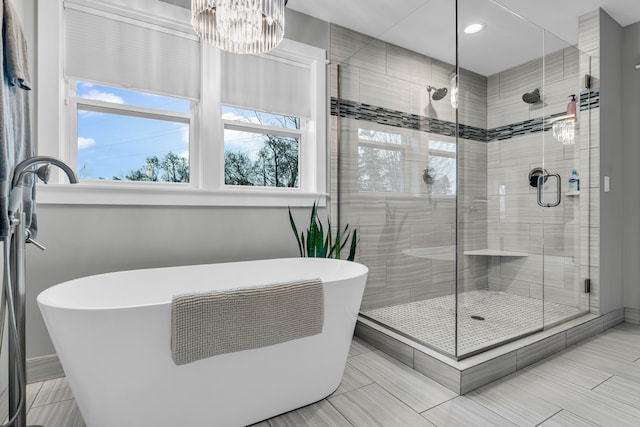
<point>611,227</point>
<point>630,167</point>
<point>85,240</point>
<point>601,37</point>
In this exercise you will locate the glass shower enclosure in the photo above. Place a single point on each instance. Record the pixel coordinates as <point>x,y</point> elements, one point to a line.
<point>452,155</point>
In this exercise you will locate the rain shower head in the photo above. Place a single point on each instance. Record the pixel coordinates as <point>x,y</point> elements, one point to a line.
<point>532,97</point>
<point>439,93</point>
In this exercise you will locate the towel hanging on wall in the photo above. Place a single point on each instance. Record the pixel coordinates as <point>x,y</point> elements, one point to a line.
<point>16,143</point>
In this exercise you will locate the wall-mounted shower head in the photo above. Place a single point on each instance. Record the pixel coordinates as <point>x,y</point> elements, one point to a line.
<point>438,94</point>
<point>532,97</point>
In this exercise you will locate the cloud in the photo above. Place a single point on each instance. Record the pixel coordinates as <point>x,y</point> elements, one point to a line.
<point>85,142</point>
<point>98,95</point>
<point>184,129</point>
<point>184,155</point>
<point>230,115</point>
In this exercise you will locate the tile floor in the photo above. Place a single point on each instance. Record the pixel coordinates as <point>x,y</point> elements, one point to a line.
<point>506,316</point>
<point>596,382</point>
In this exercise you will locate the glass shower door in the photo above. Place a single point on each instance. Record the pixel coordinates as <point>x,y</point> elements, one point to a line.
<point>518,227</point>
<point>567,160</point>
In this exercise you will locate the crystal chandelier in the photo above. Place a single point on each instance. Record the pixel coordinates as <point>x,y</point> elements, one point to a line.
<point>239,26</point>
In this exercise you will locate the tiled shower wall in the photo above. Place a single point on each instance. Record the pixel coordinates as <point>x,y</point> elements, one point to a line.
<point>515,221</point>
<point>408,236</point>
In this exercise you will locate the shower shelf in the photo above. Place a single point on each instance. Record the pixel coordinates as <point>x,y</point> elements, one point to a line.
<point>572,193</point>
<point>447,253</point>
<point>495,252</point>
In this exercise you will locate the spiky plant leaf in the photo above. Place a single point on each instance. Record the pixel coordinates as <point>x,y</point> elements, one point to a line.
<point>329,242</point>
<point>345,241</point>
<point>295,232</point>
<point>318,242</point>
<point>354,243</point>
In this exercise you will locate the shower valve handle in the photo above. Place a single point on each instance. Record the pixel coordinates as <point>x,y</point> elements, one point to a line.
<point>36,244</point>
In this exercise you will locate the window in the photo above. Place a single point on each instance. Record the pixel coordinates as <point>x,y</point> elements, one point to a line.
<point>126,135</point>
<point>440,174</point>
<point>142,122</point>
<point>261,149</point>
<point>380,161</point>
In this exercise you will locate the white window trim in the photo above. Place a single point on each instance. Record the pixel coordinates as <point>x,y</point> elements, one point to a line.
<point>124,110</point>
<point>298,134</point>
<point>55,105</point>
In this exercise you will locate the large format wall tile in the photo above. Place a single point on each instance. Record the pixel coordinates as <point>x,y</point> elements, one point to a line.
<point>496,206</point>
<point>357,49</point>
<point>384,91</point>
<point>408,65</point>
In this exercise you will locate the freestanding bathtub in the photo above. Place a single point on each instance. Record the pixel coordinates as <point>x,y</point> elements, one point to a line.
<point>112,334</point>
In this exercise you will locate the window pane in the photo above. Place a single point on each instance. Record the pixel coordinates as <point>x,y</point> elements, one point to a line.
<point>441,175</point>
<point>442,146</point>
<point>379,169</point>
<point>120,147</point>
<point>379,136</point>
<point>260,118</point>
<point>131,97</point>
<point>259,159</point>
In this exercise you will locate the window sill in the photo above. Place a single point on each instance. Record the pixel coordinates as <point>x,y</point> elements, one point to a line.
<point>171,195</point>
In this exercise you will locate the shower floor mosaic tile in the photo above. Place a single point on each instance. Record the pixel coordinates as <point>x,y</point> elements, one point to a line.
<point>486,318</point>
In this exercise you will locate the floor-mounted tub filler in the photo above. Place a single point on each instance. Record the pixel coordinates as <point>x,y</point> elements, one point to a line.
<point>116,335</point>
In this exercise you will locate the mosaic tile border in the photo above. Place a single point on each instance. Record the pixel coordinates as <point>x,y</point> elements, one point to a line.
<point>589,99</point>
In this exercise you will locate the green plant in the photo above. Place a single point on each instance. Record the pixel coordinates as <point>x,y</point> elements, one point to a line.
<point>320,245</point>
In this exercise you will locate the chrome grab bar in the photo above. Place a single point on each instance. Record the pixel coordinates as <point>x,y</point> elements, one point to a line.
<point>541,180</point>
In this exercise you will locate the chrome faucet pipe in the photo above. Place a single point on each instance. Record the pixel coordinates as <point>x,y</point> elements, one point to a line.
<point>17,287</point>
<point>17,349</point>
<point>21,168</point>
<point>25,167</point>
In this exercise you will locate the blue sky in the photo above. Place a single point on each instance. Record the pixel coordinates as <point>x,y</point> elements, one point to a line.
<point>248,142</point>
<point>113,145</point>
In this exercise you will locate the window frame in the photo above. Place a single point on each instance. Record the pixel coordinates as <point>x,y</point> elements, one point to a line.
<point>431,152</point>
<point>400,147</point>
<point>299,134</point>
<point>77,103</point>
<point>57,109</point>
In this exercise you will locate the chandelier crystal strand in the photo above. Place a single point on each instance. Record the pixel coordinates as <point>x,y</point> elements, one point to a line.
<point>239,26</point>
<point>565,131</point>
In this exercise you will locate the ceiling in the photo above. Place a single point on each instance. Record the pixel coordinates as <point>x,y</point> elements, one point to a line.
<point>427,26</point>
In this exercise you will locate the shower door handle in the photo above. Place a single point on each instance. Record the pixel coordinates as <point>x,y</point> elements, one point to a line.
<point>541,180</point>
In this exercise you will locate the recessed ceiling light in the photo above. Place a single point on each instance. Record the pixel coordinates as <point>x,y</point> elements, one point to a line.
<point>473,28</point>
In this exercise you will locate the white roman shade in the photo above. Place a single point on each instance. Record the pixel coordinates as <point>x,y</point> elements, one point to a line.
<point>286,91</point>
<point>110,49</point>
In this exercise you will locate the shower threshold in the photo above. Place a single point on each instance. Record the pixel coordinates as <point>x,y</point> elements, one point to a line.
<point>486,319</point>
<point>463,376</point>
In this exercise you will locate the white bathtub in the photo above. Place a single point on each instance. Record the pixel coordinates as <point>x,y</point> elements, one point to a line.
<point>112,334</point>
